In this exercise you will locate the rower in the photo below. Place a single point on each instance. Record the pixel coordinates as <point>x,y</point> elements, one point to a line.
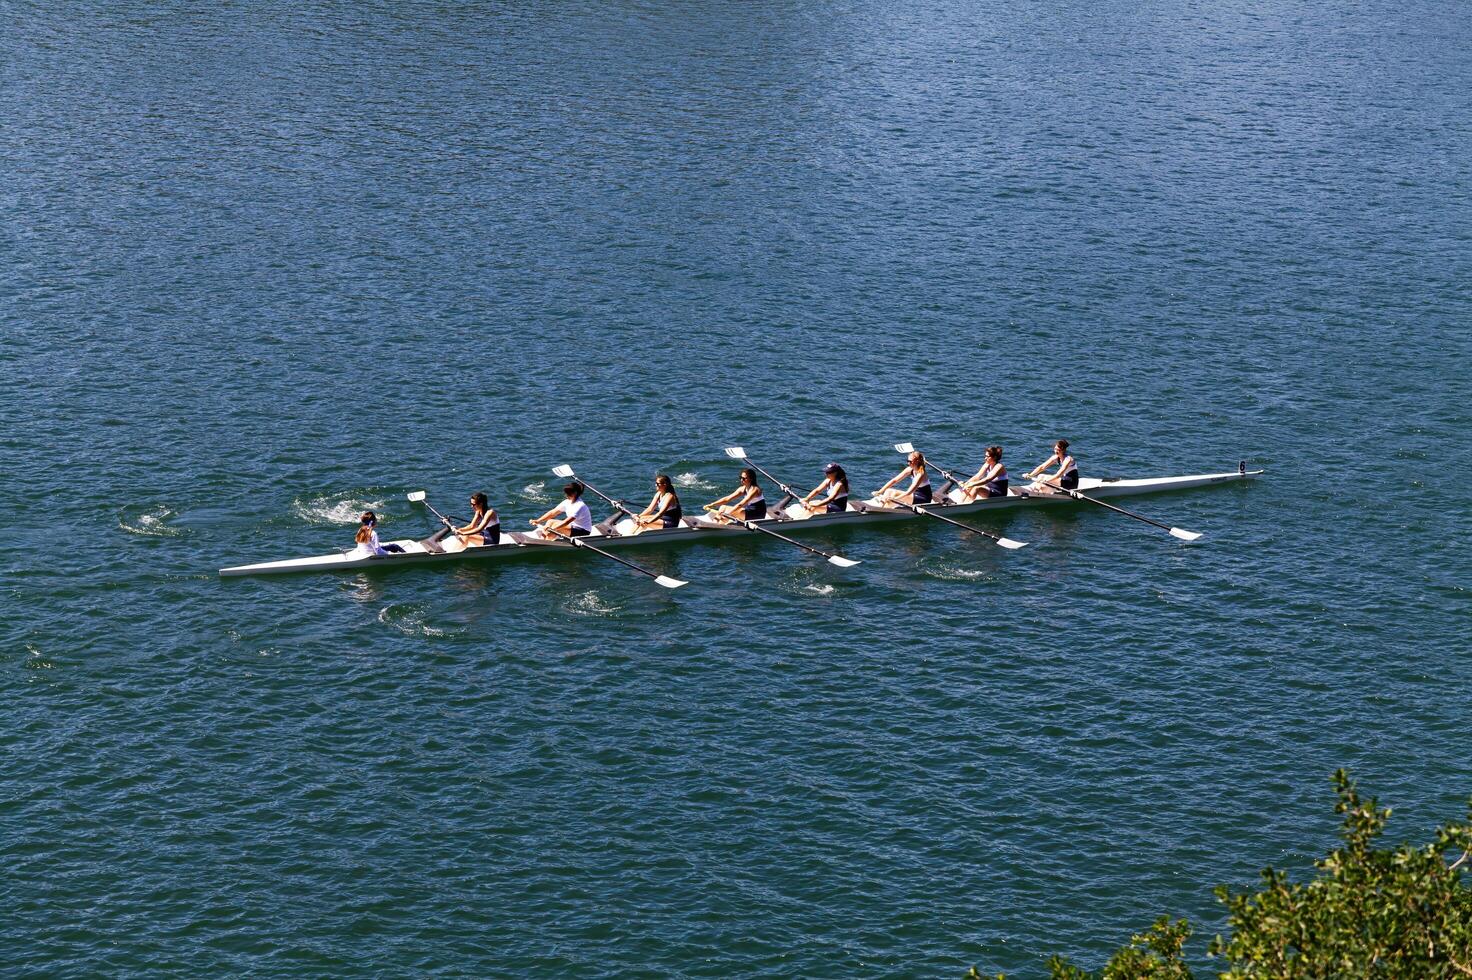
<point>835,484</point>
<point>663,510</point>
<point>918,492</point>
<point>990,480</point>
<point>746,501</point>
<point>1067,475</point>
<point>367,537</point>
<point>576,519</point>
<point>484,528</point>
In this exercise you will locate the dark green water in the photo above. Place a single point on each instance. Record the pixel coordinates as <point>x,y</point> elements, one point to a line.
<point>267,265</point>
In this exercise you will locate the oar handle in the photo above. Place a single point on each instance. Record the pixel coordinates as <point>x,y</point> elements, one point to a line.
<point>617,505</point>
<point>780,485</point>
<point>757,466</point>
<point>949,475</point>
<point>443,519</point>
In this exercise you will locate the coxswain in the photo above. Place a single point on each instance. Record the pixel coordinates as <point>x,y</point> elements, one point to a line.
<point>367,537</point>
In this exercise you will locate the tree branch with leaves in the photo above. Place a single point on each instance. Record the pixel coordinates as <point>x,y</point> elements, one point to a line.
<point>1403,913</point>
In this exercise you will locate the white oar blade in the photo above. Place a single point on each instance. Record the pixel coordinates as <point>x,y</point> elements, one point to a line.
<point>669,583</point>
<point>563,471</point>
<point>1176,532</point>
<point>1010,544</point>
<point>904,447</point>
<point>415,496</point>
<point>842,562</point>
<point>735,452</point>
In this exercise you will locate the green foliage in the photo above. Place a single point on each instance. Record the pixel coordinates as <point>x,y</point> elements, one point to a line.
<point>1370,912</point>
<point>1156,955</point>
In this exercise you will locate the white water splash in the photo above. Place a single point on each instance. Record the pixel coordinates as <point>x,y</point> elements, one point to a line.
<point>819,588</point>
<point>335,510</point>
<point>409,620</point>
<point>953,573</point>
<point>150,522</point>
<point>536,492</point>
<point>692,481</point>
<point>591,604</point>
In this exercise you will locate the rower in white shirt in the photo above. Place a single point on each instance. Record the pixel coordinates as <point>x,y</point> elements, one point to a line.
<point>571,517</point>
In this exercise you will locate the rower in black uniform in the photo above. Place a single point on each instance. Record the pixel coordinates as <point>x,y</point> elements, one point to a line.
<point>918,492</point>
<point>835,485</point>
<point>746,501</point>
<point>1067,475</point>
<point>663,510</point>
<point>990,480</point>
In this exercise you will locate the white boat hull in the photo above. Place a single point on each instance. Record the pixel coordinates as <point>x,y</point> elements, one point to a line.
<point>701,529</point>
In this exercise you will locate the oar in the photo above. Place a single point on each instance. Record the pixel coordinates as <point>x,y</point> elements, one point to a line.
<point>664,580</point>
<point>1004,542</point>
<point>566,473</point>
<point>838,560</point>
<point>905,448</point>
<point>1175,532</point>
<point>736,452</point>
<point>417,497</point>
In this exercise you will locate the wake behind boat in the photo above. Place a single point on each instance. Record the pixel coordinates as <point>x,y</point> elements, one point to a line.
<point>621,532</point>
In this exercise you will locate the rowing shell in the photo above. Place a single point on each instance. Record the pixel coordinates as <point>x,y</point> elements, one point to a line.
<point>422,552</point>
<point>702,529</point>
